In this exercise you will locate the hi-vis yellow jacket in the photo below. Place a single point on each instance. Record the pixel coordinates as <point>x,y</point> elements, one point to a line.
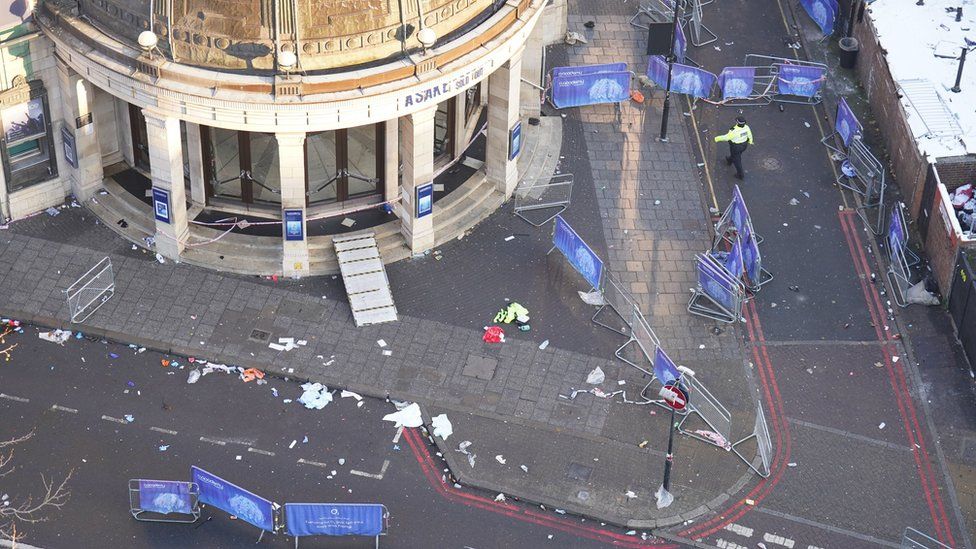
<point>737,135</point>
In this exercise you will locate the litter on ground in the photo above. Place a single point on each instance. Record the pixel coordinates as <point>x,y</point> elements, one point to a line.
<point>407,417</point>
<point>442,426</point>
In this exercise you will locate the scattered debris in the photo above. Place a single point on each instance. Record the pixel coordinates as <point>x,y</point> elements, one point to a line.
<point>509,238</point>
<point>630,494</point>
<point>348,222</point>
<point>881,425</point>
<point>594,298</point>
<point>442,426</point>
<point>500,498</point>
<point>794,202</point>
<point>55,336</point>
<point>524,468</point>
<point>543,345</point>
<point>407,417</point>
<point>463,448</point>
<point>164,447</point>
<point>315,396</point>
<point>500,459</point>
<point>381,343</point>
<point>251,374</point>
<point>596,376</point>
<point>350,394</point>
<point>493,334</point>
<point>573,37</point>
<point>714,437</point>
<point>193,377</point>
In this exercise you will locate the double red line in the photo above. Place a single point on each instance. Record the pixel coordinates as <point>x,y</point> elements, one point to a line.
<point>432,471</point>
<point>896,375</point>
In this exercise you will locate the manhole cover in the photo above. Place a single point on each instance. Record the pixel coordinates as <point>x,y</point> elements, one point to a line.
<point>260,336</point>
<point>583,495</point>
<point>770,164</point>
<point>579,472</point>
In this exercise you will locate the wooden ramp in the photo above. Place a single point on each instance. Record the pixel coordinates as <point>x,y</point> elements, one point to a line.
<point>365,279</point>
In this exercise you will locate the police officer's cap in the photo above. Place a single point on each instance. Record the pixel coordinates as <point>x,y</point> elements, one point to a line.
<point>740,120</point>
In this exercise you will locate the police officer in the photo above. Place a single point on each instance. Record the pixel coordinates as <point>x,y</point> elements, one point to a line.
<point>739,137</point>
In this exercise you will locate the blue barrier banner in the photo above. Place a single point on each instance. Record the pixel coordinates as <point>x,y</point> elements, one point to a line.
<point>737,82</point>
<point>586,70</point>
<point>680,45</point>
<point>333,519</point>
<point>896,232</point>
<point>823,13</point>
<point>165,496</point>
<point>716,283</point>
<point>579,255</point>
<point>799,80</point>
<point>752,260</point>
<point>234,499</point>
<point>740,214</point>
<point>590,89</point>
<point>846,124</point>
<point>691,80</point>
<point>734,263</point>
<point>664,369</point>
<point>657,70</point>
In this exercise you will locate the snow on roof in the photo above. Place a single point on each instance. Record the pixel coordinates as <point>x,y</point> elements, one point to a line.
<point>924,43</point>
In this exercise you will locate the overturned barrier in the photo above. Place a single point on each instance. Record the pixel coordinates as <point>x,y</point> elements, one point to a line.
<point>546,198</point>
<point>862,173</point>
<point>899,273</point>
<point>703,404</point>
<point>91,291</point>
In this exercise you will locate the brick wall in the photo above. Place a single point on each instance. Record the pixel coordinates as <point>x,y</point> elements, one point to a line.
<point>942,241</point>
<point>955,171</point>
<point>906,163</point>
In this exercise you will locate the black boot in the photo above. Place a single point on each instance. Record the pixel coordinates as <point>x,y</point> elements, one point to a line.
<point>740,176</point>
<point>728,160</point>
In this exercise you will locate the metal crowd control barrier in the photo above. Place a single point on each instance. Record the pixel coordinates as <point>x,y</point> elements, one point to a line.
<point>867,180</point>
<point>767,75</point>
<point>913,539</point>
<point>697,28</point>
<point>760,432</point>
<point>658,11</point>
<point>91,291</point>
<point>719,295</point>
<point>135,505</point>
<point>551,197</point>
<point>619,301</point>
<point>900,258</point>
<point>645,338</point>
<point>702,403</point>
<point>726,229</point>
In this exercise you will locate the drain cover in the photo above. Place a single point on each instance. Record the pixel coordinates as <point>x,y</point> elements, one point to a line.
<point>579,472</point>
<point>770,164</point>
<point>260,336</point>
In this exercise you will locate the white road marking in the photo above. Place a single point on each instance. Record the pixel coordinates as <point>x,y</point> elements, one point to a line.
<point>213,441</point>
<point>11,397</point>
<point>115,419</point>
<point>315,463</point>
<point>386,463</point>
<point>396,439</point>
<point>164,431</point>
<point>722,544</point>
<point>739,529</point>
<point>60,408</point>
<point>263,452</point>
<point>778,540</point>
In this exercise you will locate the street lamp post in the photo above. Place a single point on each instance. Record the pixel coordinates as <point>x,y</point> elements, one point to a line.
<point>676,397</point>
<point>667,91</point>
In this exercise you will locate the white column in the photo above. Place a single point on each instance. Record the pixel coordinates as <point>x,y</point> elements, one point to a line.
<point>457,138</point>
<point>391,164</point>
<point>198,191</point>
<point>291,167</point>
<point>532,71</point>
<point>417,152</point>
<point>78,96</point>
<point>166,163</point>
<point>503,112</point>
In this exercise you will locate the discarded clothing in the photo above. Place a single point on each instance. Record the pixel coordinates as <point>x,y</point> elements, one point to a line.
<point>251,374</point>
<point>407,417</point>
<point>315,396</point>
<point>511,313</point>
<point>493,334</point>
<point>55,336</point>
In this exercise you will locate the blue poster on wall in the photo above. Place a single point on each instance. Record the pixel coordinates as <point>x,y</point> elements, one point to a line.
<point>333,519</point>
<point>425,199</point>
<point>294,227</point>
<point>515,140</point>
<point>846,124</point>
<point>590,88</point>
<point>161,204</point>
<point>823,13</point>
<point>737,82</point>
<point>664,369</point>
<point>233,499</point>
<point>799,80</point>
<point>68,145</point>
<point>165,496</point>
<point>579,255</point>
<point>691,80</point>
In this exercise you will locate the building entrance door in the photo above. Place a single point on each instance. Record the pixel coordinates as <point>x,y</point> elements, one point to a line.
<point>140,138</point>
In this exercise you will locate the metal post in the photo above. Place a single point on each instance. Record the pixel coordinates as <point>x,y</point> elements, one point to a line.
<point>667,92</point>
<point>962,63</point>
<point>669,458</point>
<point>850,18</point>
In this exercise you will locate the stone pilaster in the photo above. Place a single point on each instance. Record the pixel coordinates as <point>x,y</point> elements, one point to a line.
<point>198,190</point>
<point>78,96</point>
<point>291,166</point>
<point>532,60</point>
<point>503,113</point>
<point>391,164</point>
<point>166,161</point>
<point>417,152</point>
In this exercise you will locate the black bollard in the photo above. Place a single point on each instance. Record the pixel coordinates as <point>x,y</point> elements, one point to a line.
<point>962,63</point>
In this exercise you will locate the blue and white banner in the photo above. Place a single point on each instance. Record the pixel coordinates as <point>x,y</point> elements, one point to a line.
<point>734,263</point>
<point>680,45</point>
<point>664,369</point>
<point>739,214</point>
<point>823,13</point>
<point>579,255</point>
<point>716,283</point>
<point>846,124</point>
<point>234,499</point>
<point>896,231</point>
<point>752,260</point>
<point>657,70</point>
<point>165,496</point>
<point>590,85</point>
<point>691,80</point>
<point>333,519</point>
<point>737,82</point>
<point>799,80</point>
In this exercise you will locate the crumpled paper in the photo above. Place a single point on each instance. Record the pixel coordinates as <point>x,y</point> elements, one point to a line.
<point>407,417</point>
<point>315,396</point>
<point>442,426</point>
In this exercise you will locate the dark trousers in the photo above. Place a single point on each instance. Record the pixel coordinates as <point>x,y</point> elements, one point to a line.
<point>735,156</point>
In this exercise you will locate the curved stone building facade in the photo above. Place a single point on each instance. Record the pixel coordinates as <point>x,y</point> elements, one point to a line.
<point>300,116</point>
